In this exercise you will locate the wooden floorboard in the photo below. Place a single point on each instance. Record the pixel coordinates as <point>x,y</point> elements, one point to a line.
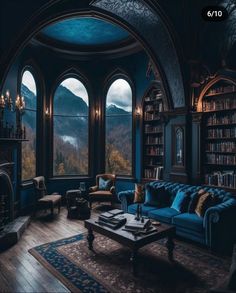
<point>20,271</point>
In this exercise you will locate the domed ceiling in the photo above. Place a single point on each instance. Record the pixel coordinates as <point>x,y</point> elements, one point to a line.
<point>85,31</point>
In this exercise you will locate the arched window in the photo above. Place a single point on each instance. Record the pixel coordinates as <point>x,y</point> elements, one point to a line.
<point>119,128</point>
<point>29,92</point>
<point>70,122</point>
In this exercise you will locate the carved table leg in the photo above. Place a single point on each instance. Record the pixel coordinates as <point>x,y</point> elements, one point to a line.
<point>170,246</point>
<point>133,259</point>
<point>90,238</point>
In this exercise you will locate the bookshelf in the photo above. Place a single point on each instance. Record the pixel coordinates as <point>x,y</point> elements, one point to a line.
<point>219,135</point>
<point>153,133</point>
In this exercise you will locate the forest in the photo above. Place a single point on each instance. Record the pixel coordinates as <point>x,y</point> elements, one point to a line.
<point>70,136</point>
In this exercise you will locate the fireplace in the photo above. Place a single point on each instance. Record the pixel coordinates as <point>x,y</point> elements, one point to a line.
<point>6,196</point>
<point>12,225</point>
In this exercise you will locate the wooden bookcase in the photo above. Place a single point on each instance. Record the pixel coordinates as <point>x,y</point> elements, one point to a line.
<point>153,132</point>
<point>219,135</point>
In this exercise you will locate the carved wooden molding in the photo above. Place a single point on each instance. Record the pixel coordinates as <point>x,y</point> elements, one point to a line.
<point>158,41</point>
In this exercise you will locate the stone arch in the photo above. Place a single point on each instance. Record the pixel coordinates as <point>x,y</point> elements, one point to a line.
<point>139,18</point>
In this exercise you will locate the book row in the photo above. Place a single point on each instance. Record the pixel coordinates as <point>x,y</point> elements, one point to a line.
<point>155,151</point>
<point>222,90</point>
<point>221,159</point>
<point>224,179</point>
<point>156,173</point>
<point>150,128</point>
<point>221,104</point>
<point>154,140</point>
<point>158,107</point>
<point>222,133</point>
<point>217,119</point>
<point>153,161</point>
<point>157,96</point>
<point>151,116</point>
<point>228,146</point>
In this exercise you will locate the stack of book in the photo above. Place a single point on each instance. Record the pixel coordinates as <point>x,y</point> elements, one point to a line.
<point>113,219</point>
<point>141,226</point>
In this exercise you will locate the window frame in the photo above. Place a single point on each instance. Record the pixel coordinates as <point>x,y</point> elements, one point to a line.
<point>86,84</point>
<point>32,68</point>
<point>111,79</point>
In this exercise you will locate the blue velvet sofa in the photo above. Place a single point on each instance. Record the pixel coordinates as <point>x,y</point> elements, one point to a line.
<point>216,229</point>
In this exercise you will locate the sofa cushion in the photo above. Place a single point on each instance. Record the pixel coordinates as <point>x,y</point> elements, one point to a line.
<point>181,201</point>
<point>194,197</point>
<point>145,209</point>
<point>190,221</point>
<point>164,214</point>
<point>157,197</point>
<point>202,204</point>
<point>191,234</point>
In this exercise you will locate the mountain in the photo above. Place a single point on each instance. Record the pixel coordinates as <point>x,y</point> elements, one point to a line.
<point>114,110</point>
<point>65,102</point>
<point>30,98</point>
<point>75,127</point>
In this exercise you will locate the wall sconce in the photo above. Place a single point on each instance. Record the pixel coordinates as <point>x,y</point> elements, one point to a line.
<point>2,102</point>
<point>20,104</point>
<point>8,100</point>
<point>138,111</point>
<point>47,113</point>
<point>2,106</point>
<point>97,113</point>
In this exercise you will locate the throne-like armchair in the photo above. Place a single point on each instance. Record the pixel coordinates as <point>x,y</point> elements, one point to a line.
<point>104,190</point>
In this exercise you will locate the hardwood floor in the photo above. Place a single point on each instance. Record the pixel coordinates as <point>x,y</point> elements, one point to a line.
<point>20,271</point>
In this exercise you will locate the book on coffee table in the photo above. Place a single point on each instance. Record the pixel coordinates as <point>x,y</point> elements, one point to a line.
<point>112,213</point>
<point>138,224</point>
<point>114,223</point>
<point>146,231</point>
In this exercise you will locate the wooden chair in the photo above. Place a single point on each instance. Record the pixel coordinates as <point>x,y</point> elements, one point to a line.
<point>42,199</point>
<point>103,195</point>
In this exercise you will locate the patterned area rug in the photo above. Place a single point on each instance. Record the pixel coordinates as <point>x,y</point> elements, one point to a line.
<point>108,269</point>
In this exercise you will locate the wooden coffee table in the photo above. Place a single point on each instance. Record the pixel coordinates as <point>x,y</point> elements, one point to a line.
<point>130,240</point>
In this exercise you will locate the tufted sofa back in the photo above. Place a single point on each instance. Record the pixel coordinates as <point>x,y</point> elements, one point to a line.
<point>174,187</point>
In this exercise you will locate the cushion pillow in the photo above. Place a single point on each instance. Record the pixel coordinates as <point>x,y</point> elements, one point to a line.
<point>104,184</point>
<point>138,193</point>
<point>156,196</point>
<point>203,204</point>
<point>180,202</point>
<point>194,200</point>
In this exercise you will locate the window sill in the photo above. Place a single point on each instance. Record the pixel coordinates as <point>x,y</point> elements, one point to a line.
<point>123,178</point>
<point>69,178</point>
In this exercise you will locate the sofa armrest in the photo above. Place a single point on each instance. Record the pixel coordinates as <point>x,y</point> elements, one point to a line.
<point>126,198</point>
<point>93,188</point>
<point>218,225</point>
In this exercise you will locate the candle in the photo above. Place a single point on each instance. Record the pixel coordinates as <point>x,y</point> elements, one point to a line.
<point>2,102</point>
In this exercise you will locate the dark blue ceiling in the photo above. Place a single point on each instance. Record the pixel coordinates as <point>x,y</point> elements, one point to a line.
<point>85,31</point>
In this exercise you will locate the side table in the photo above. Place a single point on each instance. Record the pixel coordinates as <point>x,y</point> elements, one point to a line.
<point>77,205</point>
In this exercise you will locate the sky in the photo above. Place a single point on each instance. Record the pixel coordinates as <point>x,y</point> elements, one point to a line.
<point>76,87</point>
<point>28,80</point>
<point>120,95</point>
